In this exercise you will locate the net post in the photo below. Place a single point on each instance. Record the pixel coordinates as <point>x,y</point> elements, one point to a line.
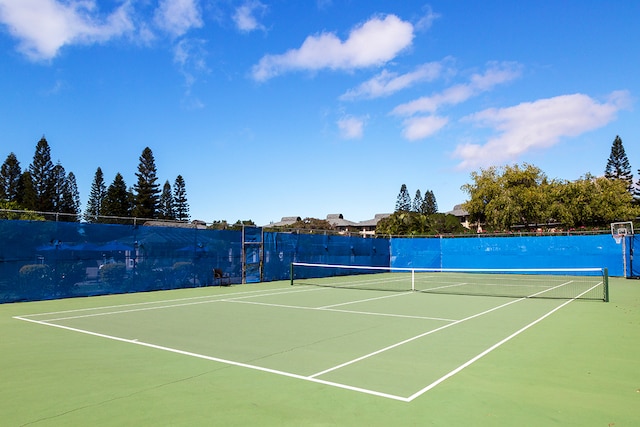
<point>291,273</point>
<point>413,279</point>
<point>605,281</point>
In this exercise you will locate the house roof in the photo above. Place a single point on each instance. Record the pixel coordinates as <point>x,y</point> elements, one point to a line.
<point>458,211</point>
<point>337,220</point>
<point>373,222</point>
<point>286,220</point>
<point>177,224</point>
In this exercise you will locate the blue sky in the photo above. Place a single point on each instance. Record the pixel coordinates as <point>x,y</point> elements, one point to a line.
<point>272,108</point>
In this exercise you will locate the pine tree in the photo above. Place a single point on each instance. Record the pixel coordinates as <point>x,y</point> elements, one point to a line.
<point>26,197</point>
<point>70,201</point>
<point>117,200</point>
<point>403,203</point>
<point>146,189</point>
<point>429,204</point>
<point>42,176</point>
<point>166,205</point>
<point>58,177</point>
<point>417,202</point>
<point>618,166</point>
<point>96,197</point>
<point>180,199</point>
<point>10,179</point>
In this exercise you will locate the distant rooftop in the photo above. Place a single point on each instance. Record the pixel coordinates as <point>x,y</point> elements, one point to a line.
<point>336,220</point>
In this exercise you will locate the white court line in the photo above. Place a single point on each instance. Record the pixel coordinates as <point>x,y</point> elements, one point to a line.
<point>214,299</point>
<point>297,307</point>
<point>149,302</point>
<point>493,347</point>
<point>366,299</point>
<point>398,344</point>
<point>216,359</point>
<point>313,378</point>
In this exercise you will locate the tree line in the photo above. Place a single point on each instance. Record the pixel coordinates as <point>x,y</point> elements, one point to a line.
<point>418,216</point>
<point>45,187</point>
<point>522,196</point>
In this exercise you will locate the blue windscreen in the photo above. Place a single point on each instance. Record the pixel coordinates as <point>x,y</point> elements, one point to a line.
<point>44,260</point>
<point>581,251</point>
<point>47,259</point>
<point>281,249</point>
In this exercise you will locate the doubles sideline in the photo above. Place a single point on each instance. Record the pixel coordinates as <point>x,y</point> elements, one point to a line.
<point>314,377</point>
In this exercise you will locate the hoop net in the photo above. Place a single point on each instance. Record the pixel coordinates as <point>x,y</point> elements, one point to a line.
<point>619,230</point>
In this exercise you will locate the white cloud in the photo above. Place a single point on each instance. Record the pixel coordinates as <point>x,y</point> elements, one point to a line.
<point>387,83</point>
<point>351,127</point>
<point>426,21</point>
<point>419,127</point>
<point>190,57</point>
<point>498,73</point>
<point>245,18</point>
<point>539,124</point>
<point>43,27</point>
<point>375,42</point>
<point>176,17</point>
<point>422,127</point>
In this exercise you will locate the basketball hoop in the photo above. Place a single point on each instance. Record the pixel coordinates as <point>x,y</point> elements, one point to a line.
<point>620,234</point>
<point>619,230</point>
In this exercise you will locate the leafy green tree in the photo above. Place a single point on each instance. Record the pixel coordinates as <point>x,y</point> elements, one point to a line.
<point>610,201</point>
<point>512,195</point>
<point>41,170</point>
<point>224,225</point>
<point>117,200</point>
<point>403,203</point>
<point>166,203</point>
<point>403,223</point>
<point>440,223</point>
<point>311,224</point>
<point>10,178</point>
<point>96,197</point>
<point>429,204</point>
<point>146,190</point>
<point>218,225</point>
<point>180,199</point>
<point>482,191</point>
<point>416,224</point>
<point>239,224</point>
<point>515,195</point>
<point>11,210</point>
<point>618,166</point>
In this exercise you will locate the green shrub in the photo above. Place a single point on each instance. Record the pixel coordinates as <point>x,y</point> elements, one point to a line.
<point>35,281</point>
<point>113,274</point>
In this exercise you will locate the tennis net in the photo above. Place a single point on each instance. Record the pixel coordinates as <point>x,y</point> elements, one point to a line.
<point>560,283</point>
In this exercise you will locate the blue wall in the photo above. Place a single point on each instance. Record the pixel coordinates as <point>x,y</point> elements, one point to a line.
<point>509,252</point>
<point>45,260</point>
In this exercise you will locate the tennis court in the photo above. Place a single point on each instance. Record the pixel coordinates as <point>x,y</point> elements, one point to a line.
<point>326,343</point>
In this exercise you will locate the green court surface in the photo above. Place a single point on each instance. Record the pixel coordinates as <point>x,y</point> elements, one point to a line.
<point>274,354</point>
